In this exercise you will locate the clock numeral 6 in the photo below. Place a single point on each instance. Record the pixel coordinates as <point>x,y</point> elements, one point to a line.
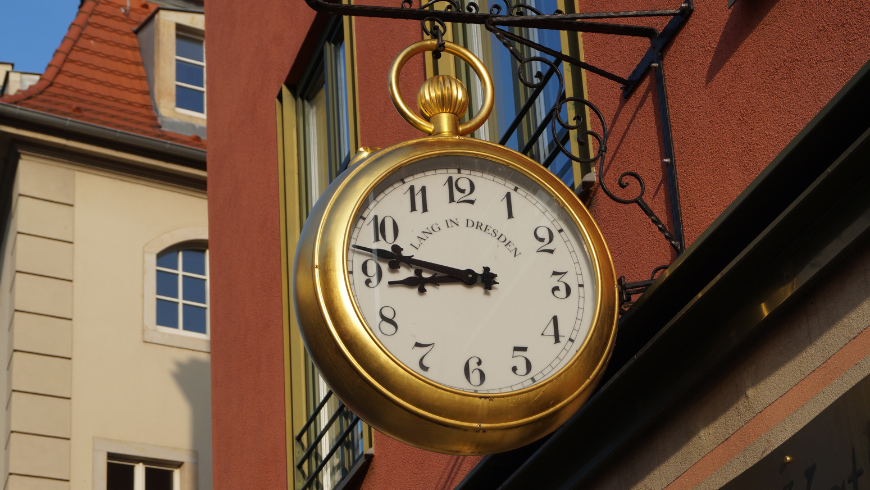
<point>469,371</point>
<point>451,184</point>
<point>528,362</point>
<point>383,230</point>
<point>377,273</point>
<point>430,346</point>
<point>389,320</point>
<point>558,289</point>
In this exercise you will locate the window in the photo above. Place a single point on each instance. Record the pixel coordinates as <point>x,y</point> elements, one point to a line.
<point>182,290</point>
<point>175,285</point>
<point>123,475</point>
<point>530,134</point>
<point>316,124</point>
<point>189,73</point>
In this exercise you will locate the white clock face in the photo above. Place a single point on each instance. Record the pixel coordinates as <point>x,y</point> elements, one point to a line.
<point>422,255</point>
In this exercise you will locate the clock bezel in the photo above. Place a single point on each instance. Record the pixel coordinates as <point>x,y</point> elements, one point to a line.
<point>385,392</point>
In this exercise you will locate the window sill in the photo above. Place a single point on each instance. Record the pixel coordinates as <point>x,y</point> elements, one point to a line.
<point>177,340</point>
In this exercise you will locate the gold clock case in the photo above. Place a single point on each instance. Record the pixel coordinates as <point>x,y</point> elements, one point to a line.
<point>377,386</point>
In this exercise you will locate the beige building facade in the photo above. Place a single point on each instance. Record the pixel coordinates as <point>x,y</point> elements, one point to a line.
<point>104,278</point>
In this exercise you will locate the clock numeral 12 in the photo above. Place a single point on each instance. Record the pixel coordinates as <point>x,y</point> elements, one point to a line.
<point>469,371</point>
<point>510,206</point>
<point>451,184</point>
<point>430,346</point>
<point>555,323</point>
<point>422,193</point>
<point>389,320</point>
<point>528,362</point>
<point>381,229</point>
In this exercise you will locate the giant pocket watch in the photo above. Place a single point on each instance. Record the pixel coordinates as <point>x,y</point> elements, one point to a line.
<point>452,292</point>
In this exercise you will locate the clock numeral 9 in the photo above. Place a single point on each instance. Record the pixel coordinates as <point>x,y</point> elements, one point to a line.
<point>422,193</point>
<point>451,184</point>
<point>385,231</point>
<point>389,320</point>
<point>430,346</point>
<point>559,288</point>
<point>555,323</point>
<point>377,273</point>
<point>469,371</point>
<point>528,362</point>
<point>546,240</point>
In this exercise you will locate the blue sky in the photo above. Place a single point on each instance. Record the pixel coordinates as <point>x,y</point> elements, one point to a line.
<point>30,31</point>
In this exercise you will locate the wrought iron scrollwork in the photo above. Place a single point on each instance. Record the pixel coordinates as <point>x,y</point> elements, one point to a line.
<point>522,15</point>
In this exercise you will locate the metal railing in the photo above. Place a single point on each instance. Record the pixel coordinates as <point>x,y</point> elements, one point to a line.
<point>310,457</point>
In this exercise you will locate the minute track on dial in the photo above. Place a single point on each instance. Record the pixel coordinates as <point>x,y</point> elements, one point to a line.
<point>395,257</point>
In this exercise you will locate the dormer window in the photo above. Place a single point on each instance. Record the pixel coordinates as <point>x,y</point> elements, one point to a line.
<point>189,74</point>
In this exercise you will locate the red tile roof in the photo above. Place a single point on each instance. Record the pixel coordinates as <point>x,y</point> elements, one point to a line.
<point>96,75</point>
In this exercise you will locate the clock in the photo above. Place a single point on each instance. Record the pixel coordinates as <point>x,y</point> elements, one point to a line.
<point>452,292</point>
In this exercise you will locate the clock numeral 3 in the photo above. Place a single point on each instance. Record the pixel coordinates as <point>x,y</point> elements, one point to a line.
<point>546,240</point>
<point>555,323</point>
<point>430,346</point>
<point>528,362</point>
<point>510,206</point>
<point>422,194</point>
<point>451,184</point>
<point>559,288</point>
<point>384,230</point>
<point>389,320</point>
<point>378,273</point>
<point>469,371</point>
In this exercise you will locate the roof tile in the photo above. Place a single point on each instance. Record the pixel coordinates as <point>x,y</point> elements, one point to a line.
<point>97,76</point>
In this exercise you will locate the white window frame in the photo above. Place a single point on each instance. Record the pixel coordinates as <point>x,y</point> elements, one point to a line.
<point>180,300</point>
<point>182,461</point>
<point>139,471</point>
<point>190,238</point>
<point>184,33</point>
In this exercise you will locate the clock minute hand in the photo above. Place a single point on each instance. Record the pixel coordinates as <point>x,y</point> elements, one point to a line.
<point>468,276</point>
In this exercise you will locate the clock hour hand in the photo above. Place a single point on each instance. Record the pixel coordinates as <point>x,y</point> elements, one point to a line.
<point>395,257</point>
<point>419,281</point>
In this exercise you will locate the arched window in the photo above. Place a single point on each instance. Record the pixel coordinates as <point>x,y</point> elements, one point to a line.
<point>182,290</point>
<point>176,285</point>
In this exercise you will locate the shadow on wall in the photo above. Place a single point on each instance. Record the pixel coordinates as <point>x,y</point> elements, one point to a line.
<point>744,18</point>
<point>194,378</point>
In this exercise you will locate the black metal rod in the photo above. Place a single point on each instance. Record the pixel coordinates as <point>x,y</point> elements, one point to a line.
<point>320,435</point>
<point>313,416</point>
<point>335,447</point>
<point>527,106</point>
<point>540,129</point>
<point>566,23</point>
<point>670,162</point>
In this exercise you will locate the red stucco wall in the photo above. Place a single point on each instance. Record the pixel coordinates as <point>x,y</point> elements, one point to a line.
<point>741,84</point>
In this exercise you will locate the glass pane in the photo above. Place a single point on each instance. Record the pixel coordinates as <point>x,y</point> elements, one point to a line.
<point>193,289</point>
<point>167,313</point>
<point>189,73</point>
<point>190,99</point>
<point>168,260</point>
<point>194,318</point>
<point>189,48</point>
<point>158,479</point>
<point>119,476</point>
<point>194,261</point>
<point>167,284</point>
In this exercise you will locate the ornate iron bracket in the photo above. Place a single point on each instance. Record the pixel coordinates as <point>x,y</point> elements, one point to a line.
<point>522,15</point>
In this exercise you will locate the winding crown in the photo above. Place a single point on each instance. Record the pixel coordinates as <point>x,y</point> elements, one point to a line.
<point>442,94</point>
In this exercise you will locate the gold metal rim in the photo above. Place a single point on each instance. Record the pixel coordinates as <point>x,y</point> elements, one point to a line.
<point>458,51</point>
<point>389,395</point>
